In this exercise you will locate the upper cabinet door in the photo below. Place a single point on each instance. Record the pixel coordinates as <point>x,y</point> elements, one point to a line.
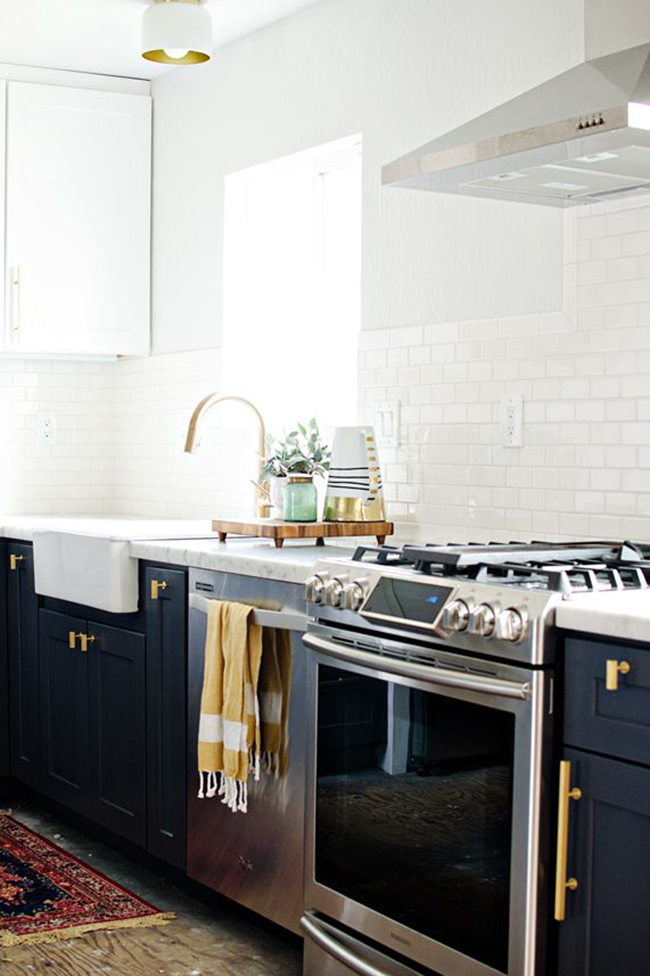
<point>78,221</point>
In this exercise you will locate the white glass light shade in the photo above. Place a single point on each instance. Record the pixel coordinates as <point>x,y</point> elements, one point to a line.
<point>172,27</point>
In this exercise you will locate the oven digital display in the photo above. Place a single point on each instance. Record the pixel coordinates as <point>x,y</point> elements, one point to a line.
<point>406,600</point>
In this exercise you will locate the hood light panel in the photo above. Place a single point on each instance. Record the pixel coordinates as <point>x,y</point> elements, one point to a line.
<point>596,157</point>
<point>564,186</point>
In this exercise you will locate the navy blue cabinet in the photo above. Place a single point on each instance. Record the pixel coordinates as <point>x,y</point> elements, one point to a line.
<point>23,660</point>
<point>607,743</point>
<point>613,721</point>
<point>93,730</point>
<point>93,705</point>
<point>4,666</point>
<point>117,731</point>
<point>166,603</point>
<point>64,711</point>
<point>606,930</point>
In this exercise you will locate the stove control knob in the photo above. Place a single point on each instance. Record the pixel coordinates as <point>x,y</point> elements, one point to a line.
<point>456,616</point>
<point>315,587</point>
<point>483,620</point>
<point>333,593</point>
<point>354,594</point>
<point>511,624</point>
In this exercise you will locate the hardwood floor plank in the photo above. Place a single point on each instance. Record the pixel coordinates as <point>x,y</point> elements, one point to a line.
<point>201,942</point>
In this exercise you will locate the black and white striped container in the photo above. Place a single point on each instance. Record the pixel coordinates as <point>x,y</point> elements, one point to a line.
<point>354,488</point>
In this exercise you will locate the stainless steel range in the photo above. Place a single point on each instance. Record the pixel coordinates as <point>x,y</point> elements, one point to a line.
<point>428,807</point>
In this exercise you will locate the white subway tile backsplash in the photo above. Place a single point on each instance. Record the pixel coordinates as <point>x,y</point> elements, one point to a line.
<point>583,371</point>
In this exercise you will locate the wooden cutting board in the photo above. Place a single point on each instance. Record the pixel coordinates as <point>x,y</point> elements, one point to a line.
<point>279,531</point>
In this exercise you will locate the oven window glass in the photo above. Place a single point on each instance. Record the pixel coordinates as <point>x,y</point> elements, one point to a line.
<point>414,809</point>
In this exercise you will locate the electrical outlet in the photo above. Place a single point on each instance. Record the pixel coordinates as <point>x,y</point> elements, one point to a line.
<point>46,428</point>
<point>512,420</point>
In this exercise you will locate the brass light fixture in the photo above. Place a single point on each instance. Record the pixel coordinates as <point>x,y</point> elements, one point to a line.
<point>177,32</point>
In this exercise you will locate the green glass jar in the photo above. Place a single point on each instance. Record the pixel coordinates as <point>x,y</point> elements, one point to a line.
<point>300,499</point>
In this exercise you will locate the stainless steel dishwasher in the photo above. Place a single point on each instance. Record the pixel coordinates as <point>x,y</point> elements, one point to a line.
<point>256,858</point>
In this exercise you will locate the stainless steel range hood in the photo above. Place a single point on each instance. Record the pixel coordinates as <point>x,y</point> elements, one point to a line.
<point>580,137</point>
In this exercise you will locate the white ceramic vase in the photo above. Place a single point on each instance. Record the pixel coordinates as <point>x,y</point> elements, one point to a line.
<point>277,486</point>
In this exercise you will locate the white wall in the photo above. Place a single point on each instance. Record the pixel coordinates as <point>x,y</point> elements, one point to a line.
<point>464,300</point>
<point>76,474</point>
<point>584,374</point>
<point>400,73</point>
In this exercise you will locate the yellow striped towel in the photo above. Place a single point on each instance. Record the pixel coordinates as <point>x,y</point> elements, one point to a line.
<point>229,727</point>
<point>275,689</point>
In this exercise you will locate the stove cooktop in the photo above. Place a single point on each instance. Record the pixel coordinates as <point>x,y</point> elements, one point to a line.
<point>566,568</point>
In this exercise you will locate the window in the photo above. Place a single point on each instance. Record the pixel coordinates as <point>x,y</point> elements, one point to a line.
<point>292,285</point>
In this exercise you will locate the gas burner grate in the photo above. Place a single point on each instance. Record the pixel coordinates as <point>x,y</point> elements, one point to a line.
<point>560,577</point>
<point>566,568</point>
<point>382,555</point>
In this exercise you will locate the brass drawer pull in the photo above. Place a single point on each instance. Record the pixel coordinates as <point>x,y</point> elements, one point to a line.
<point>14,560</point>
<point>562,883</point>
<point>85,640</point>
<point>72,639</point>
<point>613,669</point>
<point>156,587</point>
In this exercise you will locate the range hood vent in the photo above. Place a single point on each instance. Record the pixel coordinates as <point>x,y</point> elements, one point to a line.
<point>577,138</point>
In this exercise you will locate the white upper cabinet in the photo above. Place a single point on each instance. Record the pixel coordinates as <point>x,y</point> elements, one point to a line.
<point>77,221</point>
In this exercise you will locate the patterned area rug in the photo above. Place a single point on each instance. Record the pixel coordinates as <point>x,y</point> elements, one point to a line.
<point>46,894</point>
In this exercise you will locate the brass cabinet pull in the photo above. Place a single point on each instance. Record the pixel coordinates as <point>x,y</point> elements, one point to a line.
<point>85,640</point>
<point>612,670</point>
<point>562,883</point>
<point>14,560</point>
<point>156,586</point>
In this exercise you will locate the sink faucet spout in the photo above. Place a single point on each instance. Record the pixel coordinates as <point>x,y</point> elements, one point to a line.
<point>194,431</point>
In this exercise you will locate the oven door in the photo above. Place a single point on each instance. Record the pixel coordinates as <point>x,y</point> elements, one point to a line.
<point>424,816</point>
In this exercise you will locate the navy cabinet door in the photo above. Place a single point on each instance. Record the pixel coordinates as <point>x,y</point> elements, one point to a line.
<point>23,659</point>
<point>616,723</point>
<point>116,730</point>
<point>64,710</point>
<point>606,930</point>
<point>4,667</point>
<point>166,708</point>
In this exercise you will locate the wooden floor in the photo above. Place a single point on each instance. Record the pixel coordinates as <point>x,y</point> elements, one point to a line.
<point>203,941</point>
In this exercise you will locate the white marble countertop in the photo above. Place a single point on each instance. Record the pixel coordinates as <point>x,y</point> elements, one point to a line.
<point>23,527</point>
<point>184,542</point>
<point>293,563</point>
<point>623,615</point>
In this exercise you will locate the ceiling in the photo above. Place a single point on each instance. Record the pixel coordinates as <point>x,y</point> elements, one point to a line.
<point>104,35</point>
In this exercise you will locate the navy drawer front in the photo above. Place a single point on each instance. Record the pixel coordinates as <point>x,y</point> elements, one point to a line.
<point>616,723</point>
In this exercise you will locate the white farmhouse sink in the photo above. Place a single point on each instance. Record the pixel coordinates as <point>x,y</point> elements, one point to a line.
<point>92,570</point>
<point>94,567</point>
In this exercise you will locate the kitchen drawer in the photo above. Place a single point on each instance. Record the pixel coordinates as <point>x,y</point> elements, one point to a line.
<point>616,723</point>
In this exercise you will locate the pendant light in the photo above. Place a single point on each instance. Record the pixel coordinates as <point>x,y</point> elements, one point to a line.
<point>177,32</point>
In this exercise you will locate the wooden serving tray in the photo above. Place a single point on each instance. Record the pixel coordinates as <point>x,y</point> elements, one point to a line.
<point>279,531</point>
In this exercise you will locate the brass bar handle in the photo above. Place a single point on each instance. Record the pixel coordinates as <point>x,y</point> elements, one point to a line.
<point>156,587</point>
<point>612,670</point>
<point>85,640</point>
<point>562,883</point>
<point>14,560</point>
<point>72,639</point>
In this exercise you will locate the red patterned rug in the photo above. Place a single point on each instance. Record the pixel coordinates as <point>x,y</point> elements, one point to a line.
<point>46,894</point>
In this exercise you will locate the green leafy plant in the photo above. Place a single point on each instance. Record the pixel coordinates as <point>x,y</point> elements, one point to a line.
<point>300,451</point>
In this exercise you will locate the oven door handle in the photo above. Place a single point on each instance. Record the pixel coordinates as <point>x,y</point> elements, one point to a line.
<point>483,684</point>
<point>337,950</point>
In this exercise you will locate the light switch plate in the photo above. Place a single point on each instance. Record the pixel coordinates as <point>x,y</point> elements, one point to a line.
<point>386,422</point>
